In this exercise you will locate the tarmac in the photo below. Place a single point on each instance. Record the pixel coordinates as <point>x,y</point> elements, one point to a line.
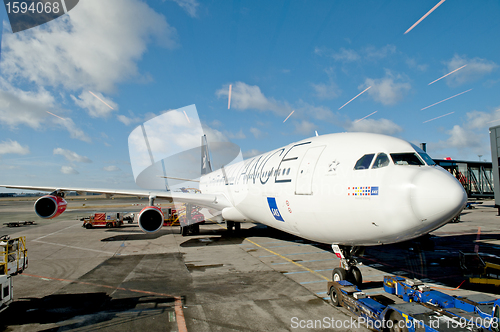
<point>259,279</point>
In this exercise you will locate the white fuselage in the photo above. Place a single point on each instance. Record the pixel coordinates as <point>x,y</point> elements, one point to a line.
<point>312,189</point>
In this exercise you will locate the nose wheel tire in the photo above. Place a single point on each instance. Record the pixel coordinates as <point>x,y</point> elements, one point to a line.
<point>339,274</point>
<point>355,276</point>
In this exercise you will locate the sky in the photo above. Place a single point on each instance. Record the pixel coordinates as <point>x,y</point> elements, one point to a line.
<point>72,90</point>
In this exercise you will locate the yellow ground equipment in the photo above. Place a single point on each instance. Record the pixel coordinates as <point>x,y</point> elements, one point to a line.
<point>13,260</point>
<point>13,255</point>
<point>478,271</point>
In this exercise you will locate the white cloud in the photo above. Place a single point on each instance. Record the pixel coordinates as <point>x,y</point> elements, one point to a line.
<point>94,47</point>
<point>213,135</point>
<point>23,107</point>
<point>304,127</point>
<point>381,126</point>
<point>256,132</point>
<point>251,153</point>
<point>387,90</point>
<point>95,107</point>
<point>326,91</point>
<point>132,119</point>
<point>111,168</point>
<point>475,69</point>
<point>244,96</point>
<point>190,6</point>
<point>239,135</point>
<point>370,53</point>
<point>308,111</point>
<point>412,63</point>
<point>19,107</point>
<point>472,136</point>
<point>73,130</point>
<point>69,170</point>
<point>247,97</point>
<point>72,156</point>
<point>216,123</point>
<point>462,138</point>
<point>126,120</point>
<point>13,147</point>
<point>482,120</point>
<point>373,53</point>
<point>345,55</point>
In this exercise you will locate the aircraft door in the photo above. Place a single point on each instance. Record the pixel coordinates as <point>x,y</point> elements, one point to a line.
<point>306,171</point>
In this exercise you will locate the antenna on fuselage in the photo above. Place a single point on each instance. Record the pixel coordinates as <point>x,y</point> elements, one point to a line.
<point>206,161</point>
<point>316,132</point>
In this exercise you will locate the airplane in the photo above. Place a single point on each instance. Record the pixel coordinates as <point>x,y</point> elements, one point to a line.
<point>348,190</point>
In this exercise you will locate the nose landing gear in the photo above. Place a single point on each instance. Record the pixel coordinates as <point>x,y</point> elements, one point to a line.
<point>348,270</point>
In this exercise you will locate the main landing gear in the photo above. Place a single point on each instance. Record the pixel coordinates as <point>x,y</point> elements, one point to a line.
<point>348,270</point>
<point>193,229</point>
<point>231,224</point>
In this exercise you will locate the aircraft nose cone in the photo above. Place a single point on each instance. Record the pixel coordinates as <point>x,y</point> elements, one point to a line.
<point>436,196</point>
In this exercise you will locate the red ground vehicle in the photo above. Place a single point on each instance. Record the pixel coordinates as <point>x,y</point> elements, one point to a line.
<point>103,219</point>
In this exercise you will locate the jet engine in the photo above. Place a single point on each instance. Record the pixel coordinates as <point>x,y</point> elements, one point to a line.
<point>50,206</point>
<point>150,219</point>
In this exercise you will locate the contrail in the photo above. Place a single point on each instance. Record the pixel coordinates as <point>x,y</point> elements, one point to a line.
<point>288,116</point>
<point>445,100</point>
<point>365,117</point>
<point>229,97</point>
<point>422,18</point>
<point>438,117</point>
<point>186,116</point>
<point>356,96</point>
<point>447,75</point>
<point>101,100</point>
<point>56,115</point>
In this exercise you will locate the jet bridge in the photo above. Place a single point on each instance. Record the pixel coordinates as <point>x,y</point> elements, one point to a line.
<point>475,176</point>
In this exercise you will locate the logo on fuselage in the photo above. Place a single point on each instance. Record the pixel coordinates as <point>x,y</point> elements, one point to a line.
<point>274,208</point>
<point>362,191</point>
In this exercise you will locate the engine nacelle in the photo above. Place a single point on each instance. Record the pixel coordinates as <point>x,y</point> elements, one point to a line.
<point>50,206</point>
<point>150,219</point>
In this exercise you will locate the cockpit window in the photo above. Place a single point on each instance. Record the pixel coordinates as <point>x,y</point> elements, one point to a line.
<point>406,159</point>
<point>427,158</point>
<point>381,161</point>
<point>364,162</point>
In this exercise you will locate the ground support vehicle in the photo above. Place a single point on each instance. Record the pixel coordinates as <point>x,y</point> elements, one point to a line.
<point>478,270</point>
<point>19,223</point>
<point>190,222</point>
<point>13,260</point>
<point>171,217</point>
<point>409,305</point>
<point>103,219</point>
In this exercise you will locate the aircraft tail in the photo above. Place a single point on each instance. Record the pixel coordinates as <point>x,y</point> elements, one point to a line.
<point>206,162</point>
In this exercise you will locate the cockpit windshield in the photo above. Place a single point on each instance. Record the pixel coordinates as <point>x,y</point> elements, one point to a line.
<point>406,159</point>
<point>381,161</point>
<point>364,162</point>
<point>428,160</point>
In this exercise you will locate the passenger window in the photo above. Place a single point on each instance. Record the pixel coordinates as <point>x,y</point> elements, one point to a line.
<point>406,159</point>
<point>288,171</point>
<point>381,161</point>
<point>364,162</point>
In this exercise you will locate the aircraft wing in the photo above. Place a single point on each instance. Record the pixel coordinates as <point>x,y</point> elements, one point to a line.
<point>212,201</point>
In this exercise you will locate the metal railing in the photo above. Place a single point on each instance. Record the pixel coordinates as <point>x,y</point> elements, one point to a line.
<point>13,255</point>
